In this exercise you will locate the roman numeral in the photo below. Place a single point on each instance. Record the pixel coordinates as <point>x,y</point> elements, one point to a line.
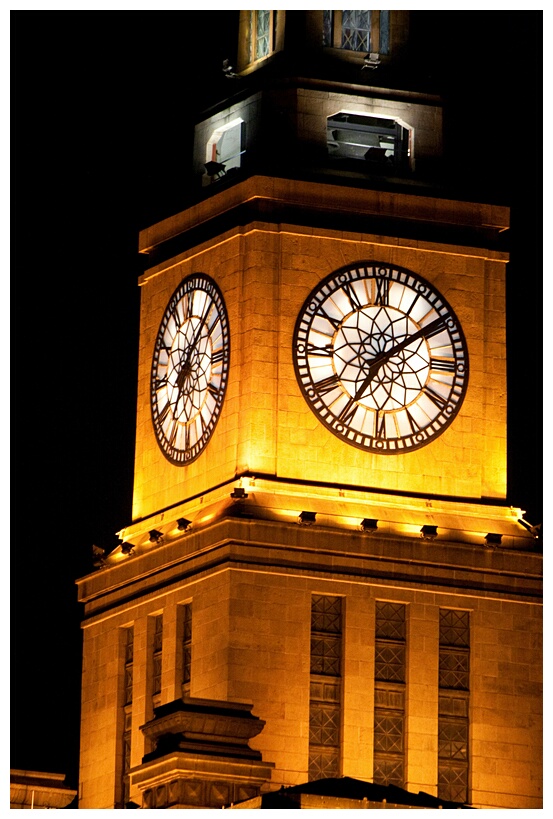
<point>348,411</point>
<point>327,384</point>
<point>208,310</point>
<point>218,356</point>
<point>435,397</point>
<point>380,425</point>
<point>323,314</point>
<point>412,423</point>
<point>164,413</point>
<point>382,292</point>
<point>446,365</point>
<point>322,351</point>
<point>434,328</point>
<point>174,431</point>
<point>352,296</point>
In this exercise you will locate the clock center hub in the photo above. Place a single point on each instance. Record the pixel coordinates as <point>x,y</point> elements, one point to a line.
<point>185,372</point>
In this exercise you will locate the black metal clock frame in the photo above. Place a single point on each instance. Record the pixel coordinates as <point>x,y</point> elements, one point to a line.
<point>380,357</point>
<point>190,369</point>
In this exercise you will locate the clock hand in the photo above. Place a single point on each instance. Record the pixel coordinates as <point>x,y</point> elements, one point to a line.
<point>186,369</point>
<point>195,339</point>
<point>383,357</point>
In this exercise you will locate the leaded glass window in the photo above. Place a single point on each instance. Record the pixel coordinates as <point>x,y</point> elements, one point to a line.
<point>325,712</point>
<point>384,25</point>
<point>186,647</point>
<point>389,662</point>
<point>453,708</point>
<point>126,738</point>
<point>454,628</point>
<point>454,668</point>
<point>327,28</point>
<point>326,655</point>
<point>390,621</point>
<point>388,771</point>
<point>129,650</point>
<point>261,34</point>
<point>389,694</point>
<point>361,31</point>
<point>356,30</point>
<point>156,658</point>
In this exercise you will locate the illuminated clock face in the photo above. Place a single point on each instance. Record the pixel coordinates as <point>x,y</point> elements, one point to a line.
<point>190,369</point>
<point>380,358</point>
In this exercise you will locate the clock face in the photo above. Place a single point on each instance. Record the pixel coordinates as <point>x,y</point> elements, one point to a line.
<point>190,369</point>
<point>380,358</point>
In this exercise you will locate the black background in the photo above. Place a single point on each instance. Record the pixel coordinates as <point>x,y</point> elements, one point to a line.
<point>101,146</point>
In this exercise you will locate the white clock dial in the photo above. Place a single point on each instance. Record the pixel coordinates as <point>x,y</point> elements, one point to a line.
<point>190,369</point>
<point>380,357</point>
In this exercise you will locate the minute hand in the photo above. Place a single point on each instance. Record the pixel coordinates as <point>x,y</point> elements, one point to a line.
<point>382,358</point>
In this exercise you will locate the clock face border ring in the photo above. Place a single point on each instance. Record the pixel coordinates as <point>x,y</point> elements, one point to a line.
<point>400,375</point>
<point>194,325</point>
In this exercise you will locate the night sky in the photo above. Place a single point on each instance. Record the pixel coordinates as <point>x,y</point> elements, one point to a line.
<point>102,104</point>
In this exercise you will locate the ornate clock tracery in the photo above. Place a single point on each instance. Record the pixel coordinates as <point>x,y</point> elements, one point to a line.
<point>380,357</point>
<point>189,369</point>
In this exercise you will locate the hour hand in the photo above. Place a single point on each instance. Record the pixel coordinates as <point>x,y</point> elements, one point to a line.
<point>374,367</point>
<point>431,329</point>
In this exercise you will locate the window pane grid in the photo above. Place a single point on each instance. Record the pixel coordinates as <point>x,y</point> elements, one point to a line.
<point>157,653</point>
<point>326,614</point>
<point>389,694</point>
<point>324,724</point>
<point>186,647</point>
<point>454,669</point>
<point>126,725</point>
<point>326,655</point>
<point>454,628</point>
<point>262,33</point>
<point>453,782</point>
<point>390,662</point>
<point>453,708</point>
<point>327,28</point>
<point>324,763</point>
<point>356,26</point>
<point>388,732</point>
<point>389,771</point>
<point>390,621</point>
<point>325,689</point>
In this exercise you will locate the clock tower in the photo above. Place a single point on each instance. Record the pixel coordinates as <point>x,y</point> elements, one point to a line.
<point>322,576</point>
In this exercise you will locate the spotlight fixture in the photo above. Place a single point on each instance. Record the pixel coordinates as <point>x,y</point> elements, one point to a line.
<point>371,60</point>
<point>368,525</point>
<point>307,518</point>
<point>228,69</point>
<point>493,540</point>
<point>98,556</point>
<point>183,525</point>
<point>429,532</point>
<point>156,536</point>
<point>127,548</point>
<point>215,169</point>
<point>534,530</point>
<point>238,493</point>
